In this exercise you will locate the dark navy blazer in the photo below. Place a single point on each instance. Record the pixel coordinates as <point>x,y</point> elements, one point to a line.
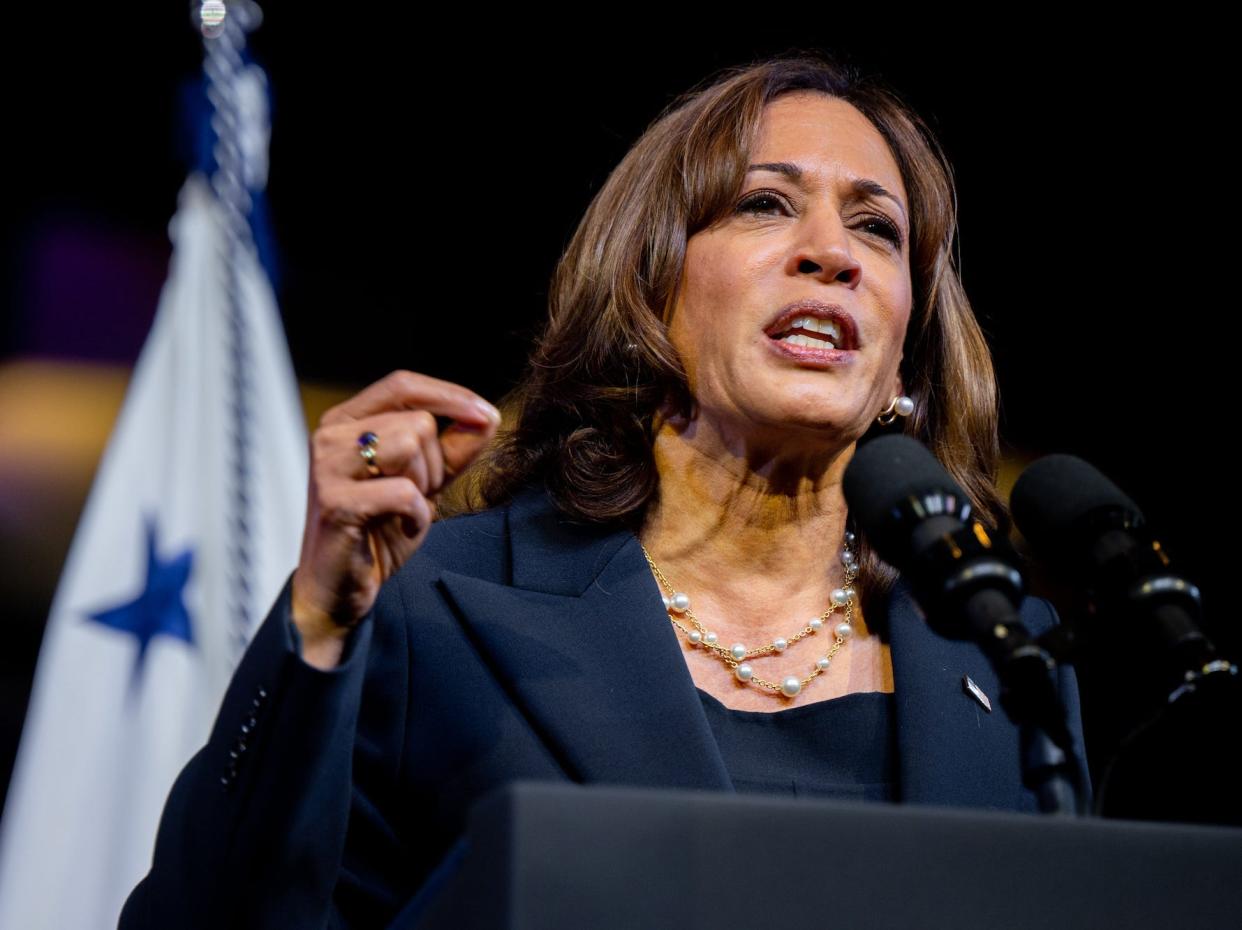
<point>513,645</point>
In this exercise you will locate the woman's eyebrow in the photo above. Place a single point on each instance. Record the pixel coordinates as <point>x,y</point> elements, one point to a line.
<point>860,187</point>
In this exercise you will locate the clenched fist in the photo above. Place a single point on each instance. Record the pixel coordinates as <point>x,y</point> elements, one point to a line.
<point>377,462</point>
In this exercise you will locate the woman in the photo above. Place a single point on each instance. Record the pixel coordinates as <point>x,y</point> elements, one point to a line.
<point>766,274</point>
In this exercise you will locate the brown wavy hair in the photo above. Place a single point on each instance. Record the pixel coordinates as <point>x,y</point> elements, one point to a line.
<point>582,421</point>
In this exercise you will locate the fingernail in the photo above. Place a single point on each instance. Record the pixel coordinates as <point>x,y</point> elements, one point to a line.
<point>488,410</point>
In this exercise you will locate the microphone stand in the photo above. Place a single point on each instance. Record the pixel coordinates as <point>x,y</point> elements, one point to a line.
<point>970,587</point>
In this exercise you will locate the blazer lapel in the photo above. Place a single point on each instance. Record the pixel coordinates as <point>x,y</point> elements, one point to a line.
<point>951,750</point>
<point>580,639</point>
<point>582,642</point>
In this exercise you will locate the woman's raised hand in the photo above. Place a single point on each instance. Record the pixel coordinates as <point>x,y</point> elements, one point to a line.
<point>363,520</point>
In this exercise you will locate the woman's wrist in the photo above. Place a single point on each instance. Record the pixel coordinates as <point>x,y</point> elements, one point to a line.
<point>322,638</point>
<point>324,654</point>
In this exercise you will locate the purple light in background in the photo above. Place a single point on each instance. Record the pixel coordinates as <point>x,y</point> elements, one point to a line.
<point>88,291</point>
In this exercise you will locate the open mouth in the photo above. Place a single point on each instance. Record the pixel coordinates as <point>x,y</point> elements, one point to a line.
<point>811,333</point>
<point>812,324</point>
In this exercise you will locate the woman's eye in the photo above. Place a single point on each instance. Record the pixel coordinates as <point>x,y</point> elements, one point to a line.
<point>760,203</point>
<point>764,202</point>
<point>884,227</point>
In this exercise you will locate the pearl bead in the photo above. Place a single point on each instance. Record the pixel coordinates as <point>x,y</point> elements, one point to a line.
<point>695,637</point>
<point>667,603</point>
<point>816,624</point>
<point>850,594</point>
<point>848,557</point>
<point>791,686</point>
<point>680,602</point>
<point>844,630</point>
<point>849,536</point>
<point>738,651</point>
<point>823,662</point>
<point>780,644</point>
<point>839,597</point>
<point>743,672</point>
<point>710,639</point>
<point>905,406</point>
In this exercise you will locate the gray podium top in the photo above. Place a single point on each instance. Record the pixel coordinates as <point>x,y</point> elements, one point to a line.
<point>542,855</point>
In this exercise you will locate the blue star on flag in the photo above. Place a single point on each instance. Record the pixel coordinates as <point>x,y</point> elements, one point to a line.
<point>158,608</point>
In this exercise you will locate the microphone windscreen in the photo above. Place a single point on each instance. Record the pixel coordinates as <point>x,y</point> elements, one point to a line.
<point>1055,493</point>
<point>882,474</point>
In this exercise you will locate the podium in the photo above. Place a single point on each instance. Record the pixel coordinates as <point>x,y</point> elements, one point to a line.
<point>550,856</point>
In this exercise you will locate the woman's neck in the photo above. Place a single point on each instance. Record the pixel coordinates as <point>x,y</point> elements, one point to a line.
<point>755,534</point>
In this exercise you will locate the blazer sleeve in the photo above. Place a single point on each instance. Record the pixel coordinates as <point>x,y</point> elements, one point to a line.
<point>254,830</point>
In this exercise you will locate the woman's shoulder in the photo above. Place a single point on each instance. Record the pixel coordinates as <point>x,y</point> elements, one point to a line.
<point>473,543</point>
<point>467,542</point>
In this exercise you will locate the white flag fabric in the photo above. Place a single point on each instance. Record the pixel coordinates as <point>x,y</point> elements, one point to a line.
<point>191,528</point>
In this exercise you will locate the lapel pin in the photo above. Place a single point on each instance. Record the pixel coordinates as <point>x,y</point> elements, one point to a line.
<point>971,688</point>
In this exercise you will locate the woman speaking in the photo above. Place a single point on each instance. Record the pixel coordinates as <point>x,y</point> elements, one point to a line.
<point>655,581</point>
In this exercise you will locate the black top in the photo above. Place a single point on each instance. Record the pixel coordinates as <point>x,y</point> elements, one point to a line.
<point>844,747</point>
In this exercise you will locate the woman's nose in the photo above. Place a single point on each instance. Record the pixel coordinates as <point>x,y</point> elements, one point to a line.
<point>824,251</point>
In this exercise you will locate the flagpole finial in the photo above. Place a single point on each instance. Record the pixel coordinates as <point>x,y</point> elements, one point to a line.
<point>212,17</point>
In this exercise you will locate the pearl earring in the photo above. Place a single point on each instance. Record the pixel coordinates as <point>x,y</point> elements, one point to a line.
<point>901,406</point>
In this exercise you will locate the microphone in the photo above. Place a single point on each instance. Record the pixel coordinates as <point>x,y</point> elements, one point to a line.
<point>1084,526</point>
<point>919,520</point>
<point>1176,753</point>
<point>968,581</point>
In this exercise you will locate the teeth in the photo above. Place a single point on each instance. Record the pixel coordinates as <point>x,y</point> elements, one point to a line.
<point>827,327</point>
<point>808,342</point>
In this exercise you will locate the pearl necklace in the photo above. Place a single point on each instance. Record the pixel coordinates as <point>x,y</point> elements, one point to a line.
<point>678,605</point>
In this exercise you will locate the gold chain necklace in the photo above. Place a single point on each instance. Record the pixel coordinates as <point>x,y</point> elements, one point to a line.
<point>678,605</point>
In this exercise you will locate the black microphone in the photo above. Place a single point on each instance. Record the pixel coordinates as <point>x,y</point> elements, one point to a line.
<point>1174,700</point>
<point>970,586</point>
<point>919,521</point>
<point>967,580</point>
<point>1085,527</point>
